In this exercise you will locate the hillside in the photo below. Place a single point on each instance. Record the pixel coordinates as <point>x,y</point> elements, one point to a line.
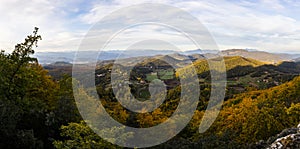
<point>258,115</point>
<point>246,74</point>
<point>230,63</point>
<point>164,60</point>
<point>258,55</point>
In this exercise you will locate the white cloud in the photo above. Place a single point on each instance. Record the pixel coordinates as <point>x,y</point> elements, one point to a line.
<point>264,24</point>
<point>244,25</point>
<point>18,18</point>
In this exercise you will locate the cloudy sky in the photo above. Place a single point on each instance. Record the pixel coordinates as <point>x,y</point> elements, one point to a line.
<point>269,25</point>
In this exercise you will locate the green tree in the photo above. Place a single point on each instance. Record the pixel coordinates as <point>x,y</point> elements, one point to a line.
<point>79,135</point>
<point>27,94</point>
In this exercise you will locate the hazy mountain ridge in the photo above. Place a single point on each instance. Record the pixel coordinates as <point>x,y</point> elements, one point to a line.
<point>260,55</point>
<point>85,56</point>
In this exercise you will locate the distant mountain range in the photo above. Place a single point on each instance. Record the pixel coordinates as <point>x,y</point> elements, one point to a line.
<point>260,55</point>
<point>85,56</point>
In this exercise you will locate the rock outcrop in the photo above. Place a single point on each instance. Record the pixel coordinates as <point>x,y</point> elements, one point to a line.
<point>287,139</point>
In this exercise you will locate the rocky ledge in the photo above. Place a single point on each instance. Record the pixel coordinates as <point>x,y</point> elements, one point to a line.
<point>287,139</point>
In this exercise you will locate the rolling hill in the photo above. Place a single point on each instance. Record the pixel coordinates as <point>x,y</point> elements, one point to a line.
<point>258,115</point>
<point>259,55</point>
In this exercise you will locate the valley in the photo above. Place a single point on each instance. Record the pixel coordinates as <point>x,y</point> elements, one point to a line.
<point>261,98</point>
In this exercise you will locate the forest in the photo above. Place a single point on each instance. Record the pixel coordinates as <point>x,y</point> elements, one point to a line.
<point>38,109</point>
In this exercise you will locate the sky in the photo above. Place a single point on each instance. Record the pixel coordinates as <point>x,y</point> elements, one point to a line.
<point>267,25</point>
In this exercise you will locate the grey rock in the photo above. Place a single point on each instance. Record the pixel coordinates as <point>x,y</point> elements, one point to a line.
<point>287,139</point>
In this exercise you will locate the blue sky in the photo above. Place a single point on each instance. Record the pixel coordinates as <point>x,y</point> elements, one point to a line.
<point>269,25</point>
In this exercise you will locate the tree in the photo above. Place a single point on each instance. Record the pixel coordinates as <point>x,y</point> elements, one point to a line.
<point>27,94</point>
<point>79,135</point>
